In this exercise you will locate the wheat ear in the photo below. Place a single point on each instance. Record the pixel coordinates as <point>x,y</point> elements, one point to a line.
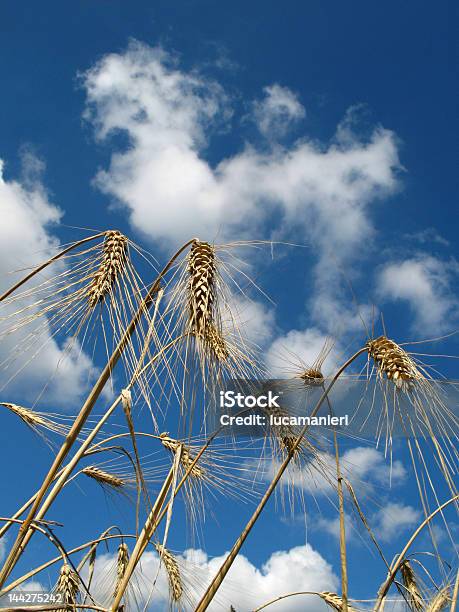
<point>173,571</point>
<point>335,602</point>
<point>112,265</point>
<point>201,286</point>
<point>411,585</point>
<point>439,601</point>
<point>68,585</point>
<point>393,361</point>
<point>121,565</point>
<point>103,477</point>
<point>186,458</point>
<point>34,419</point>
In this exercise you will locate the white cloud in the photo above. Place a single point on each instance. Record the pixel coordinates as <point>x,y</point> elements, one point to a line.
<point>276,112</point>
<point>394,518</point>
<point>288,352</point>
<point>362,466</point>
<point>172,192</point>
<point>424,282</point>
<point>246,586</point>
<point>317,193</point>
<point>256,319</point>
<point>26,240</point>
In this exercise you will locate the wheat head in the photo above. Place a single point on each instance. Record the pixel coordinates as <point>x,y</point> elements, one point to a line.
<point>393,362</point>
<point>112,265</point>
<point>411,585</point>
<point>202,270</point>
<point>173,571</point>
<point>121,565</point>
<point>312,377</point>
<point>334,601</point>
<point>103,477</point>
<point>68,584</point>
<point>186,458</point>
<point>34,419</point>
<point>439,601</point>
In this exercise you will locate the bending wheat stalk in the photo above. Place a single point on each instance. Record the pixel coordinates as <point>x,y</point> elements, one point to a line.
<point>145,536</point>
<point>401,557</point>
<point>44,265</point>
<point>218,579</point>
<point>79,422</point>
<point>67,470</point>
<point>332,599</point>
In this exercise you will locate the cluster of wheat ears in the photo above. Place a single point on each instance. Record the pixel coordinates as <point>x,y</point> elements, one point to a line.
<point>169,347</point>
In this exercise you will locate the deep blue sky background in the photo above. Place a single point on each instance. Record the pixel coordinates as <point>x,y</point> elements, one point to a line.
<point>399,59</point>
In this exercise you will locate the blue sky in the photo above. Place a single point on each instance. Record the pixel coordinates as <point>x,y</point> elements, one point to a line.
<point>323,124</point>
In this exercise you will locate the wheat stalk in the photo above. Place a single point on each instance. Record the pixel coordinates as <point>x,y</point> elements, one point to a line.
<point>103,477</point>
<point>186,458</point>
<point>393,362</point>
<point>112,265</point>
<point>173,571</point>
<point>68,585</point>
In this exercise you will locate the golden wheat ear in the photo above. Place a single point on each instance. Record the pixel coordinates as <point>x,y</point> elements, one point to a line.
<point>202,271</point>
<point>173,572</point>
<point>103,477</point>
<point>186,458</point>
<point>334,601</point>
<point>35,420</point>
<point>411,585</point>
<point>393,362</point>
<point>68,585</point>
<point>122,561</point>
<point>112,265</point>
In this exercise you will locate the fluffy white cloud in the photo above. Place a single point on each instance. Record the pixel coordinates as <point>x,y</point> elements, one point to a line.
<point>388,523</point>
<point>424,282</point>
<point>288,352</point>
<point>26,240</point>
<point>299,569</point>
<point>393,518</point>
<point>170,189</point>
<point>362,466</point>
<point>317,193</point>
<point>256,319</point>
<point>275,113</point>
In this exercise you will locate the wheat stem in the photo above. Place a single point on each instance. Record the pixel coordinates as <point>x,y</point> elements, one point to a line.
<point>332,599</point>
<point>143,539</point>
<point>24,532</point>
<point>401,557</point>
<point>218,579</point>
<point>455,597</point>
<point>47,263</point>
